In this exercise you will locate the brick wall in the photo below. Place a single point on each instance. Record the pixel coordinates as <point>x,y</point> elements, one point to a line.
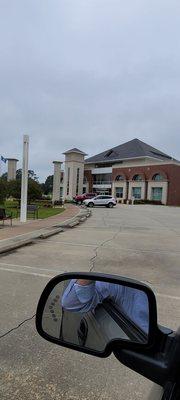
<point>170,172</point>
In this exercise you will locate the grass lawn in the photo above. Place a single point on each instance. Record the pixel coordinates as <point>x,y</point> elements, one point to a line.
<point>49,212</point>
<point>43,212</point>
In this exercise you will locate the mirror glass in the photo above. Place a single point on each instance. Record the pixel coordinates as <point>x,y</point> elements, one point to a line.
<point>89,313</point>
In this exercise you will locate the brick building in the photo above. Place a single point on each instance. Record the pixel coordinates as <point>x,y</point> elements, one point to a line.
<point>134,169</point>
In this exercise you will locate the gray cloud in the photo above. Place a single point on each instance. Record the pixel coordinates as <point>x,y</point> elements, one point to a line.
<point>90,74</point>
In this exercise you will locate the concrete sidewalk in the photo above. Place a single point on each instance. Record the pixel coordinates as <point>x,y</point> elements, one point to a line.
<point>21,234</point>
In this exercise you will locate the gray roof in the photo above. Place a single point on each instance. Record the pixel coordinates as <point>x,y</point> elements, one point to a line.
<point>75,150</point>
<point>133,149</point>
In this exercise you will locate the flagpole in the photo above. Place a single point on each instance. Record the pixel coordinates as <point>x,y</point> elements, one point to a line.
<point>24,179</point>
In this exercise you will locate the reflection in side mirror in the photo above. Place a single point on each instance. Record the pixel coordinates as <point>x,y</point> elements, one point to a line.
<point>91,313</point>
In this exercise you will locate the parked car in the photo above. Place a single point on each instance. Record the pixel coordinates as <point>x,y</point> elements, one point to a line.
<point>101,200</point>
<point>81,197</point>
<point>116,321</point>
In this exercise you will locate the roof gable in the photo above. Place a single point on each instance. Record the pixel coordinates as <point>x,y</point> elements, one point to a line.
<point>133,149</point>
<point>75,150</point>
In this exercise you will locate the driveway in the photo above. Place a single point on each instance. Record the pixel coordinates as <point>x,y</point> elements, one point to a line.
<point>137,241</point>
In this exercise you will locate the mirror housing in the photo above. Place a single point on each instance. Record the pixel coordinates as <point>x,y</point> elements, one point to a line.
<point>82,330</point>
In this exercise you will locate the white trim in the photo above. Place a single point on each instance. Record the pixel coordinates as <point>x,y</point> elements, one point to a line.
<point>170,161</point>
<point>105,170</point>
<point>103,186</point>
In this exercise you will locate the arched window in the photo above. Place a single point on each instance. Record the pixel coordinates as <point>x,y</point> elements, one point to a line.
<point>137,178</point>
<point>158,177</point>
<point>119,178</point>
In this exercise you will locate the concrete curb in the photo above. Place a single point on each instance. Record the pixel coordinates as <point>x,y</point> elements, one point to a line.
<point>51,233</point>
<point>23,240</point>
<point>13,246</point>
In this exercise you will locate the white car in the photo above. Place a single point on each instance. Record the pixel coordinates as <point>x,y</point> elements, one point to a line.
<point>101,200</point>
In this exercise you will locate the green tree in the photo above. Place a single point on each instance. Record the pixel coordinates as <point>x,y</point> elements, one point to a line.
<point>48,185</point>
<point>31,174</point>
<point>34,189</point>
<point>3,190</point>
<point>14,189</point>
<point>4,176</point>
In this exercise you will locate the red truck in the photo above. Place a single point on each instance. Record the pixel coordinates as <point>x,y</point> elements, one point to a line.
<point>81,197</point>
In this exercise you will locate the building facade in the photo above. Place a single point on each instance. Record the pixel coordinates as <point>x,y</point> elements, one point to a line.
<point>133,170</point>
<point>74,173</point>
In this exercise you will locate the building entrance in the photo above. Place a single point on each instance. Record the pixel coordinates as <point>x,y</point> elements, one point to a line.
<point>102,191</point>
<point>157,193</point>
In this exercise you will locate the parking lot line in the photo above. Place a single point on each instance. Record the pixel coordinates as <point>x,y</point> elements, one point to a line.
<point>30,267</point>
<point>3,268</point>
<point>155,251</point>
<point>26,272</point>
<point>66,243</point>
<point>167,296</point>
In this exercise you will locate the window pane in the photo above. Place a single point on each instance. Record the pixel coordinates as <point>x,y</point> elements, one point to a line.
<point>77,181</point>
<point>68,180</point>
<point>157,193</point>
<point>136,192</point>
<point>119,192</point>
<point>137,178</point>
<point>119,178</point>
<point>157,177</point>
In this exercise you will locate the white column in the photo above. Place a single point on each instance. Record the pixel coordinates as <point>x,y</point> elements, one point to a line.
<point>24,179</point>
<point>56,181</point>
<point>12,167</point>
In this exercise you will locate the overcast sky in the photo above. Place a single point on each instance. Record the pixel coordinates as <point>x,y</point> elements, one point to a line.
<point>90,74</point>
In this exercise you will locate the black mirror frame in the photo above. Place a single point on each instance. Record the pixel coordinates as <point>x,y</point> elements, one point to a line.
<point>153,327</point>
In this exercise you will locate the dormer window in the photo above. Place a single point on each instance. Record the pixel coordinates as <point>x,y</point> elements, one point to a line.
<point>109,153</point>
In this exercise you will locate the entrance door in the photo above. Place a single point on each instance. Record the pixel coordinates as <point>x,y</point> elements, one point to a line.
<point>157,193</point>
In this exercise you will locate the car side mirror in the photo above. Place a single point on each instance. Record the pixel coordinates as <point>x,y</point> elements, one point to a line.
<point>92,312</point>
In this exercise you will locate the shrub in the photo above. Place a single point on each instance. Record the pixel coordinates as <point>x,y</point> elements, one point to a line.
<point>69,201</point>
<point>58,202</point>
<point>155,202</point>
<point>3,190</point>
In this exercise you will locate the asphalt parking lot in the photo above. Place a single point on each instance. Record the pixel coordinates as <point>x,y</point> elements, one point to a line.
<point>141,242</point>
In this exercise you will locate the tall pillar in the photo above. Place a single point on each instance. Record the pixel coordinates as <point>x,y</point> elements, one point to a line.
<point>24,179</point>
<point>12,168</point>
<point>56,181</point>
<point>74,173</point>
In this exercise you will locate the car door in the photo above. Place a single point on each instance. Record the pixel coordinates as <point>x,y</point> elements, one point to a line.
<point>98,201</point>
<point>105,200</point>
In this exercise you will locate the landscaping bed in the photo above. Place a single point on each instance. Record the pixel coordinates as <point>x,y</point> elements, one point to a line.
<point>43,211</point>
